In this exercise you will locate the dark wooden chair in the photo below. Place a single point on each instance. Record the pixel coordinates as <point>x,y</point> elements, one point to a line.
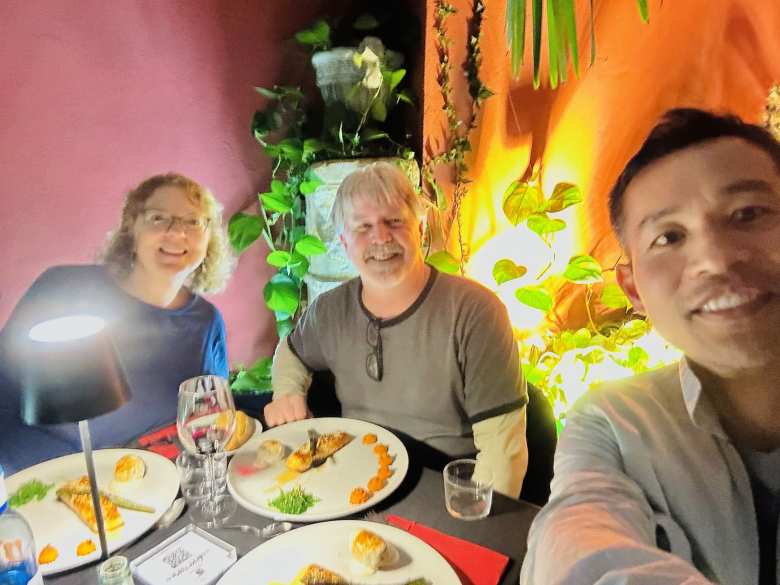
<point>542,437</point>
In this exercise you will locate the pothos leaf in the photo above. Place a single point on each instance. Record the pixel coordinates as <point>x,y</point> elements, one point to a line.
<point>278,258</point>
<point>395,78</point>
<point>536,297</point>
<point>274,202</point>
<point>564,195</point>
<point>284,328</point>
<point>541,224</point>
<point>281,294</point>
<point>613,296</point>
<point>644,11</point>
<point>310,245</point>
<point>309,187</point>
<point>505,270</point>
<point>317,36</point>
<point>521,200</point>
<point>443,261</point>
<point>595,356</point>
<point>583,270</point>
<point>298,265</point>
<point>243,230</point>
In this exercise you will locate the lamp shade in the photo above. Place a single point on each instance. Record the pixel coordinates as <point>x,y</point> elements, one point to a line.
<point>71,373</point>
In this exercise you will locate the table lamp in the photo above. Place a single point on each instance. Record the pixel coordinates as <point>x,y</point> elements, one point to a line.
<point>72,374</point>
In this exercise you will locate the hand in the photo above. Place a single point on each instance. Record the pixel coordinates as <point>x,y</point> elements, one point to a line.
<point>286,409</point>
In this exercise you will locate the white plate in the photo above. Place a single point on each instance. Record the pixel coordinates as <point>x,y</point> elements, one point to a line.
<point>328,545</point>
<point>352,466</point>
<point>54,523</point>
<point>255,434</point>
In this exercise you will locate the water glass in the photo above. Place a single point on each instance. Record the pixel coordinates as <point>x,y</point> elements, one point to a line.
<point>205,421</point>
<point>467,496</point>
<point>208,502</point>
<point>193,468</point>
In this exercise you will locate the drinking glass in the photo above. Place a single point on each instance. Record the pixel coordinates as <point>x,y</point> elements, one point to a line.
<point>205,422</point>
<point>467,496</point>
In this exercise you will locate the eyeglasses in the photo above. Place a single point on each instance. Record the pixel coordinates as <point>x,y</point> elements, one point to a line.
<point>374,358</point>
<point>193,225</point>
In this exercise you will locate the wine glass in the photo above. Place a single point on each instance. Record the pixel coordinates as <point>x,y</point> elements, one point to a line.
<point>205,422</point>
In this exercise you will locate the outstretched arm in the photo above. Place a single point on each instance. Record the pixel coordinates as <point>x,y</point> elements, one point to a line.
<point>597,528</point>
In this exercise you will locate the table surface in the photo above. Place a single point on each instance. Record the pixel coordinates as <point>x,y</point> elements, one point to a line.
<point>420,497</point>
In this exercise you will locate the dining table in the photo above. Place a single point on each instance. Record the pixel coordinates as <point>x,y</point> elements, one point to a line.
<point>419,498</point>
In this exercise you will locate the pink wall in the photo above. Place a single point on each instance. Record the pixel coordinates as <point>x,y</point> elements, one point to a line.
<point>98,95</point>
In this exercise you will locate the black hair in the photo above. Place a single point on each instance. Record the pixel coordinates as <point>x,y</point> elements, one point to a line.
<point>678,129</point>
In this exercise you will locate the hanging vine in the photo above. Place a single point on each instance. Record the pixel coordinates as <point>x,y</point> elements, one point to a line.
<point>457,142</point>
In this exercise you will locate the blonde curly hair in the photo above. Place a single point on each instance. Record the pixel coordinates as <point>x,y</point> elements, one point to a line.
<point>213,272</point>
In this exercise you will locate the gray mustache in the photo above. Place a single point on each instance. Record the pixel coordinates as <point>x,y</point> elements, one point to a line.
<point>382,250</point>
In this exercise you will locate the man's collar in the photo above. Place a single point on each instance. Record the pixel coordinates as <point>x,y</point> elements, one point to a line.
<point>407,312</point>
<point>698,402</point>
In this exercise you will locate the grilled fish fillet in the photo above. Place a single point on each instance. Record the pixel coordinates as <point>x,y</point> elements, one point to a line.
<point>303,458</point>
<point>328,444</point>
<point>316,575</point>
<point>77,496</point>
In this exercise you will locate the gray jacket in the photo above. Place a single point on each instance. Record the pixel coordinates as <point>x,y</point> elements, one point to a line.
<point>644,465</point>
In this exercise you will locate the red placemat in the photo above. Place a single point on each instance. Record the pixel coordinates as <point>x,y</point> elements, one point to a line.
<point>162,441</point>
<point>474,564</point>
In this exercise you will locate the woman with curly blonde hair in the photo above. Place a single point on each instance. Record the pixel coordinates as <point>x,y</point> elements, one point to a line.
<point>120,253</point>
<point>168,248</point>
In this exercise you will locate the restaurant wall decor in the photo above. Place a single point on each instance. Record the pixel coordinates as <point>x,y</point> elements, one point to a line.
<point>530,142</point>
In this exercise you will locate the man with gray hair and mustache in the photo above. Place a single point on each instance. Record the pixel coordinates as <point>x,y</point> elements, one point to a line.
<point>426,353</point>
<point>673,477</point>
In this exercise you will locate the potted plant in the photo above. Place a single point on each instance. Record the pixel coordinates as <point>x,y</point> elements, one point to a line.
<point>314,142</point>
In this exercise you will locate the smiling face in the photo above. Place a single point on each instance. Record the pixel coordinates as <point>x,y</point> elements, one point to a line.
<point>382,239</point>
<point>702,230</point>
<point>167,253</point>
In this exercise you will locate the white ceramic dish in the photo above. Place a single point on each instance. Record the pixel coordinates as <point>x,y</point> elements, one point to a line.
<point>328,545</point>
<point>53,523</point>
<point>352,466</point>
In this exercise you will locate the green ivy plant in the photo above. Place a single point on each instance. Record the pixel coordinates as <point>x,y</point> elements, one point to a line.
<point>561,35</point>
<point>458,143</point>
<point>352,128</point>
<point>281,216</point>
<point>526,205</point>
<point>255,378</point>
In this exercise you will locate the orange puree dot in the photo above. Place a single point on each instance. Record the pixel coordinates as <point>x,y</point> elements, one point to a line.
<point>369,438</point>
<point>376,483</point>
<point>384,472</point>
<point>85,547</point>
<point>359,496</point>
<point>48,555</point>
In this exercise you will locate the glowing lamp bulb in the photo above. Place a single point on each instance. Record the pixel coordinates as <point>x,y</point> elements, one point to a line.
<point>67,328</point>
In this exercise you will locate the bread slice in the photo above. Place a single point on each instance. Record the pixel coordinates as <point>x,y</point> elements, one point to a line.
<point>372,551</point>
<point>129,468</point>
<point>245,428</point>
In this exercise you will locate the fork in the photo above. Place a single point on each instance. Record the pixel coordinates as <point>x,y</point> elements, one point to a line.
<point>269,531</point>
